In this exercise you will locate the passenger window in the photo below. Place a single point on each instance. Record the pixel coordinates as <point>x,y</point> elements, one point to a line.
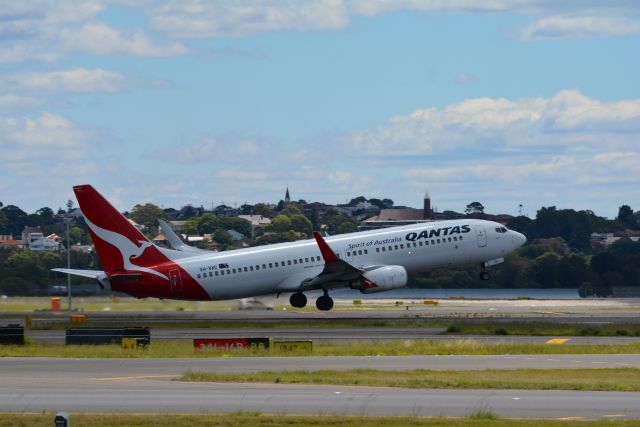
<point>390,248</point>
<point>234,271</point>
<point>289,262</point>
<point>348,253</point>
<point>396,247</point>
<point>228,271</point>
<point>276,264</point>
<point>222,272</point>
<point>420,243</point>
<point>198,275</point>
<point>300,260</point>
<point>245,269</point>
<point>377,249</point>
<point>264,266</point>
<point>295,261</point>
<point>460,237</point>
<point>216,274</point>
<point>366,252</point>
<point>438,241</point>
<point>359,252</point>
<point>257,267</point>
<point>251,268</point>
<point>318,257</point>
<point>306,260</point>
<point>383,249</point>
<point>433,242</point>
<point>270,265</point>
<point>210,274</point>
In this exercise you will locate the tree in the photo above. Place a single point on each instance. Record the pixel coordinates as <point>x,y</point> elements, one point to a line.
<point>301,224</point>
<point>346,227</point>
<point>356,200</point>
<point>146,214</point>
<point>387,203</point>
<point>207,224</point>
<point>246,209</point>
<point>625,216</point>
<point>474,208</point>
<point>572,271</point>
<point>223,237</point>
<point>262,209</point>
<point>280,224</point>
<point>69,205</point>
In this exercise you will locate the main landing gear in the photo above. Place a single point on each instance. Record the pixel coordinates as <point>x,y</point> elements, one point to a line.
<point>298,300</point>
<point>325,302</point>
<point>484,274</point>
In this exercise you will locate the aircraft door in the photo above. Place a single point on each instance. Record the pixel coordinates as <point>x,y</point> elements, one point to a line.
<point>176,280</point>
<point>481,234</point>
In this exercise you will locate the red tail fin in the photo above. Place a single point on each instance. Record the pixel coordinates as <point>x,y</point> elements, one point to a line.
<point>119,244</point>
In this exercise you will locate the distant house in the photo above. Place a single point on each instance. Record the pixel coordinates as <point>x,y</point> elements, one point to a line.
<point>7,241</point>
<point>394,217</point>
<point>34,240</point>
<point>605,239</point>
<point>257,222</point>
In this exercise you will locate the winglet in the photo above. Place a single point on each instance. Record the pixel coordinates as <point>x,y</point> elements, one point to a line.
<point>327,253</point>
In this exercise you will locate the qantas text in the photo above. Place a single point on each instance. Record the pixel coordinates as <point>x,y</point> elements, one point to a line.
<point>437,232</point>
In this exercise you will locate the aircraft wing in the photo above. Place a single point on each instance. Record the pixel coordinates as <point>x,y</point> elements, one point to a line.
<point>336,273</point>
<point>175,242</point>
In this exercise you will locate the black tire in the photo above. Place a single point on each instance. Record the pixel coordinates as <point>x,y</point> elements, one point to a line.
<point>298,300</point>
<point>324,303</point>
<point>484,275</point>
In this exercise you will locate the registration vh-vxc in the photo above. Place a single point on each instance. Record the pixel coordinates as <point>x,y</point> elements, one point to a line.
<point>369,261</point>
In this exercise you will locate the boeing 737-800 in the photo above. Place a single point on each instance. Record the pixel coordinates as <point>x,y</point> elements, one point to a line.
<point>370,261</point>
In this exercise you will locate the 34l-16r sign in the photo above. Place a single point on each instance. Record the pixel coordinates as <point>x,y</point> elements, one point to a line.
<point>231,343</point>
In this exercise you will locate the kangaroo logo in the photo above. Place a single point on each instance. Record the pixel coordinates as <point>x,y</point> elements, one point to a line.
<point>128,249</point>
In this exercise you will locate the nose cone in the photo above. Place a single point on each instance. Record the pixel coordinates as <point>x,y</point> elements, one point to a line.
<point>519,239</point>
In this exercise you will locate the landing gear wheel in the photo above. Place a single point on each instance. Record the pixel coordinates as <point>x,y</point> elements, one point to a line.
<point>324,303</point>
<point>484,275</point>
<point>298,300</point>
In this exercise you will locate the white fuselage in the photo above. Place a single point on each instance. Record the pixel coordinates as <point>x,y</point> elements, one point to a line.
<point>283,267</point>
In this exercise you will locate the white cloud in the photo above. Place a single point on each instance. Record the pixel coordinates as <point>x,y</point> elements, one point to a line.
<point>101,39</point>
<point>580,27</point>
<point>233,174</point>
<point>77,80</point>
<point>200,19</point>
<point>11,102</point>
<point>569,117</point>
<point>33,144</point>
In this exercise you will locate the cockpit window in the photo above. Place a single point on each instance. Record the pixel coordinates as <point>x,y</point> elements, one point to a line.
<point>501,230</point>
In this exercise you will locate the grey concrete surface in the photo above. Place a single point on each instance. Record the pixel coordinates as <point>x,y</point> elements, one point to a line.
<point>145,385</point>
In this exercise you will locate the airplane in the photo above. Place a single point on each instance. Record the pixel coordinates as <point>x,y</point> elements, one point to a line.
<point>369,261</point>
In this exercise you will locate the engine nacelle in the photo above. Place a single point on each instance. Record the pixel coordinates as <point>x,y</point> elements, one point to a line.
<point>384,279</point>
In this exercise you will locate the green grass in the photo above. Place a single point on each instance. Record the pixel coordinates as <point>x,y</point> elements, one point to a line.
<point>606,379</point>
<point>542,329</point>
<point>184,348</point>
<point>242,419</point>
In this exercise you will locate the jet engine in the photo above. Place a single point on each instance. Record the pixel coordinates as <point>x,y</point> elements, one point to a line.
<point>383,279</point>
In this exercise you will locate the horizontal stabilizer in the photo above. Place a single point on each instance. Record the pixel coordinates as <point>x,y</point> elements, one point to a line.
<point>93,274</point>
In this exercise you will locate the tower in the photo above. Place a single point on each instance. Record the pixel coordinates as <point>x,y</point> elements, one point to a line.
<point>287,198</point>
<point>427,213</point>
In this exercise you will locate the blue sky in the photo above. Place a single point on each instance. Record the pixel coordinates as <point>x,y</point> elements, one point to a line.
<point>529,102</point>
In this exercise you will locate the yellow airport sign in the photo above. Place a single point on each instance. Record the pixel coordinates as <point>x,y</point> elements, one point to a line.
<point>292,346</point>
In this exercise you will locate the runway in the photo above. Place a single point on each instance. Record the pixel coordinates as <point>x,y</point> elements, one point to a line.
<point>145,385</point>
<point>341,334</point>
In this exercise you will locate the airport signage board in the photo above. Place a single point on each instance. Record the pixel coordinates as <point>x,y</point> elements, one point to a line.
<point>292,346</point>
<point>231,343</point>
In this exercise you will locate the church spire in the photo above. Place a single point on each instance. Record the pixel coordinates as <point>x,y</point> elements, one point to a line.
<point>287,198</point>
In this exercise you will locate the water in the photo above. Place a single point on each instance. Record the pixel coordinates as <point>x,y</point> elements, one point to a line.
<point>415,293</point>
